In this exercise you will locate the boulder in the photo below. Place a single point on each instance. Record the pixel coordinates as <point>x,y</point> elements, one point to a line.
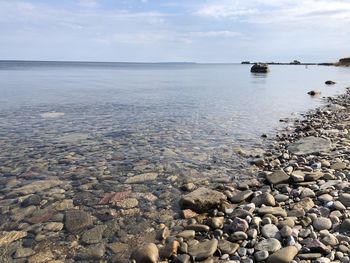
<point>310,145</point>
<point>202,199</point>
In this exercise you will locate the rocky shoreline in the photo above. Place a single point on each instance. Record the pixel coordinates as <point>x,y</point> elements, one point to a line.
<point>295,210</point>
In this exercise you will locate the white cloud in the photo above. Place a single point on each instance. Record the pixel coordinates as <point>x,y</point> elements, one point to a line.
<point>224,11</point>
<point>216,34</point>
<point>89,3</point>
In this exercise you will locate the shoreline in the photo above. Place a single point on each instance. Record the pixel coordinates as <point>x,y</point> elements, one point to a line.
<point>294,209</point>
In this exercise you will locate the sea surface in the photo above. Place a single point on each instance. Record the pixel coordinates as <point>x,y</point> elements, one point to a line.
<point>93,126</point>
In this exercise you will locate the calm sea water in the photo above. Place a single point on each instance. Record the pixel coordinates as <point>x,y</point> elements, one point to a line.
<point>227,96</point>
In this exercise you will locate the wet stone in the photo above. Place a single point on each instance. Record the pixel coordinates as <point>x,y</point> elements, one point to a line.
<point>284,255</point>
<point>227,247</point>
<point>94,235</point>
<point>92,252</point>
<point>204,249</point>
<point>9,237</point>
<point>277,177</point>
<point>146,254</point>
<point>202,199</point>
<point>76,220</point>
<point>310,145</point>
<point>31,200</point>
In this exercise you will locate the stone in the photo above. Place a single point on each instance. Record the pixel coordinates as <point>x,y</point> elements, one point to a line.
<point>276,211</point>
<point>239,224</point>
<point>339,206</point>
<point>241,196</point>
<point>198,228</point>
<point>313,176</point>
<point>146,254</point>
<point>31,200</point>
<point>227,247</point>
<point>187,234</point>
<point>236,236</point>
<point>305,204</point>
<point>261,255</point>
<point>41,257</point>
<point>286,231</point>
<point>284,255</point>
<point>344,227</point>
<point>217,222</point>
<point>344,198</point>
<point>338,166</point>
<point>307,192</point>
<point>297,176</point>
<point>127,203</point>
<point>188,213</point>
<point>170,249</point>
<point>94,235</point>
<point>118,247</point>
<point>264,199</point>
<point>65,205</point>
<point>270,231</point>
<point>277,177</point>
<point>322,223</point>
<point>37,186</point>
<point>53,226</point>
<point>76,220</point>
<point>310,145</point>
<point>316,246</point>
<point>92,252</point>
<point>182,259</point>
<point>203,250</point>
<point>202,199</point>
<point>270,245</point>
<point>309,256</point>
<point>142,178</point>
<point>23,252</point>
<point>9,237</point>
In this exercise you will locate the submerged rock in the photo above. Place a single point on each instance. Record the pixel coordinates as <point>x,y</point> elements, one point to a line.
<point>202,199</point>
<point>146,254</point>
<point>310,145</point>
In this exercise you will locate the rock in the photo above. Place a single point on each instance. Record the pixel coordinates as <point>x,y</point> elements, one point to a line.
<point>344,227</point>
<point>76,220</point>
<point>276,211</point>
<point>24,252</point>
<point>339,206</point>
<point>241,196</point>
<point>307,192</point>
<point>37,186</point>
<point>217,222</point>
<point>338,166</point>
<point>127,203</point>
<point>236,236</point>
<point>182,259</point>
<point>118,247</point>
<point>322,223</point>
<point>227,247</point>
<point>313,176</point>
<point>239,224</point>
<point>203,250</point>
<point>170,249</point>
<point>261,255</point>
<point>188,213</point>
<point>270,231</point>
<point>271,245</point>
<point>31,200</point>
<point>316,246</point>
<point>142,178</point>
<point>310,145</point>
<point>277,177</point>
<point>297,176</point>
<point>264,199</point>
<point>9,237</point>
<point>146,254</point>
<point>286,231</point>
<point>94,235</point>
<point>344,198</point>
<point>163,233</point>
<point>202,199</point>
<point>305,204</point>
<point>65,205</point>
<point>53,226</point>
<point>330,82</point>
<point>284,255</point>
<point>259,68</point>
<point>198,228</point>
<point>314,92</point>
<point>309,256</point>
<point>187,234</point>
<point>41,257</point>
<point>92,252</point>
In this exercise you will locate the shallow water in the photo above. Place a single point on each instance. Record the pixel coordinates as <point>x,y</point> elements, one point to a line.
<point>94,125</point>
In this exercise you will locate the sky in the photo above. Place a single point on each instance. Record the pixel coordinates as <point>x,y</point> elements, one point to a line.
<point>175,30</point>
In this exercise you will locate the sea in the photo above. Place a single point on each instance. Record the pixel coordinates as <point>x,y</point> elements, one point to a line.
<point>96,126</point>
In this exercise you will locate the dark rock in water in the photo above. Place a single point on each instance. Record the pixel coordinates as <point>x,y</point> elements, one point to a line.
<point>330,82</point>
<point>259,68</point>
<point>202,199</point>
<point>31,200</point>
<point>76,220</point>
<point>314,92</point>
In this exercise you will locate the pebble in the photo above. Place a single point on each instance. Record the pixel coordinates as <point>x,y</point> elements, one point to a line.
<point>147,253</point>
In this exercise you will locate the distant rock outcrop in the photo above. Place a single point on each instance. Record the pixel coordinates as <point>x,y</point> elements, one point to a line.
<point>345,62</point>
<point>259,68</point>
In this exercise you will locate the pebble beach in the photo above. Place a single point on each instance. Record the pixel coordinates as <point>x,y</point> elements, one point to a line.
<point>296,209</point>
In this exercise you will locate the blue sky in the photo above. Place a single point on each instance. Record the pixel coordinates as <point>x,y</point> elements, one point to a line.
<point>169,30</point>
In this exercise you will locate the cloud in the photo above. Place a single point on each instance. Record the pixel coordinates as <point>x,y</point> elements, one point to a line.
<point>215,34</point>
<point>223,11</point>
